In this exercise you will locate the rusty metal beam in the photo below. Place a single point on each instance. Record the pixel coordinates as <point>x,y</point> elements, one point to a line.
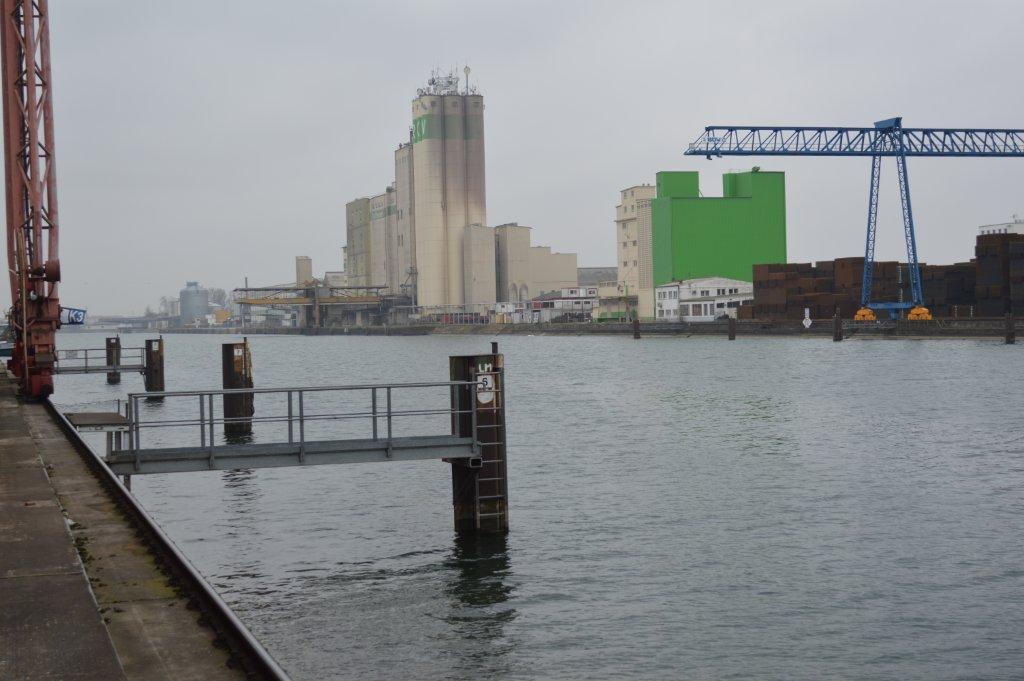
<point>31,192</point>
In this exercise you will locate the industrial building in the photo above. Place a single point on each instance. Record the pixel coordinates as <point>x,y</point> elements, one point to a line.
<point>194,304</point>
<point>303,270</point>
<point>696,236</point>
<point>478,276</point>
<point>593,276</point>
<point>573,304</point>
<point>382,231</point>
<point>524,271</point>
<point>613,305</point>
<point>358,256</point>
<point>426,236</point>
<point>633,236</point>
<point>701,300</point>
<point>417,229</point>
<point>448,172</point>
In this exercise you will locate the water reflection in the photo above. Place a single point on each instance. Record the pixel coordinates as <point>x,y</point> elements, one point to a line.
<point>241,522</point>
<point>238,438</point>
<point>478,590</point>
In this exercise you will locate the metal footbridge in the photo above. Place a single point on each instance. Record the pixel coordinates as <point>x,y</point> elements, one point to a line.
<point>460,421</point>
<point>291,428</point>
<point>100,361</point>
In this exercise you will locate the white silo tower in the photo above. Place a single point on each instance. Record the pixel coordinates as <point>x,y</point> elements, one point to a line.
<point>448,175</point>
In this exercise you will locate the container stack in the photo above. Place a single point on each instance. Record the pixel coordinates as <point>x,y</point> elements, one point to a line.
<point>786,291</point>
<point>948,289</point>
<point>1017,278</point>
<point>992,266</point>
<point>989,286</point>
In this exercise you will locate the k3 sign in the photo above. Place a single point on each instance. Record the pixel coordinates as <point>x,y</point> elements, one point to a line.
<point>72,315</point>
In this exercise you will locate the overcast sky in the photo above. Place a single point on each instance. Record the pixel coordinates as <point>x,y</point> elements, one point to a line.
<point>214,140</point>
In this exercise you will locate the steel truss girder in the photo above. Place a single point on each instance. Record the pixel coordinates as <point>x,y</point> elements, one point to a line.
<point>724,140</point>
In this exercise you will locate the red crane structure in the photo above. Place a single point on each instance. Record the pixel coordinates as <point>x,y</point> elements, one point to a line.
<point>31,185</point>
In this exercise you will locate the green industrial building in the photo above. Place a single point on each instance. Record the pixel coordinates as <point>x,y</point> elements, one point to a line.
<point>695,236</point>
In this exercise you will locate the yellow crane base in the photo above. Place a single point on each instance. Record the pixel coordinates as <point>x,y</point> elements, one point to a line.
<point>865,314</point>
<point>919,313</point>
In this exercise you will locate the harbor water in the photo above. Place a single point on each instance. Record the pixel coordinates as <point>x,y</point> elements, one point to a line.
<point>680,508</point>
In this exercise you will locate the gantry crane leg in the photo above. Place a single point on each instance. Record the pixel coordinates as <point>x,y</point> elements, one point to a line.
<point>918,312</point>
<point>865,312</point>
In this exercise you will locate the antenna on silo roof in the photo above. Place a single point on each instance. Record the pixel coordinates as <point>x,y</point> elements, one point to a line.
<point>466,71</point>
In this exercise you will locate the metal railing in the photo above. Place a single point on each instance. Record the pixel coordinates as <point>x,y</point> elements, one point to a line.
<point>292,413</point>
<point>94,360</point>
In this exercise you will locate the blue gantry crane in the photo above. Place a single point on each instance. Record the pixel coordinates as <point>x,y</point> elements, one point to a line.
<point>886,138</point>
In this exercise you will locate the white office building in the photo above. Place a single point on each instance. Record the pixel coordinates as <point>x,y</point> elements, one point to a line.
<point>701,300</point>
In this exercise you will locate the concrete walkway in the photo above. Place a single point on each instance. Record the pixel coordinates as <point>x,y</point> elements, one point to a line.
<point>80,596</point>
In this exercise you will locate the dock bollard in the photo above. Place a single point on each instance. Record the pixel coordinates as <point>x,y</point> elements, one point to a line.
<point>114,359</point>
<point>1011,331</point>
<point>732,328</point>
<point>236,365</point>
<point>837,327</point>
<point>153,366</point>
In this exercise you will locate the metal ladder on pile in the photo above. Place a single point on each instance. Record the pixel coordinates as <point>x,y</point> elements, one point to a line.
<point>492,471</point>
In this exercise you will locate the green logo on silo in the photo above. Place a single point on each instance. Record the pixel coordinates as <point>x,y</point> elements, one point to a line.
<point>424,127</point>
<point>454,126</point>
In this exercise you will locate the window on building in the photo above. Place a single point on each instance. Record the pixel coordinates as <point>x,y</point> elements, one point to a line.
<point>695,308</point>
<point>634,263</point>
<point>720,305</point>
<point>661,313</point>
<point>705,294</point>
<point>634,243</point>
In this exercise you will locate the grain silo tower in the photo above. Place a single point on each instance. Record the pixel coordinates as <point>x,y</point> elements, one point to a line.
<point>448,172</point>
<point>194,303</point>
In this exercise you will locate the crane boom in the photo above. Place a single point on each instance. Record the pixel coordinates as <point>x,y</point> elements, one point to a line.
<point>727,140</point>
<point>887,138</point>
<point>31,191</point>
